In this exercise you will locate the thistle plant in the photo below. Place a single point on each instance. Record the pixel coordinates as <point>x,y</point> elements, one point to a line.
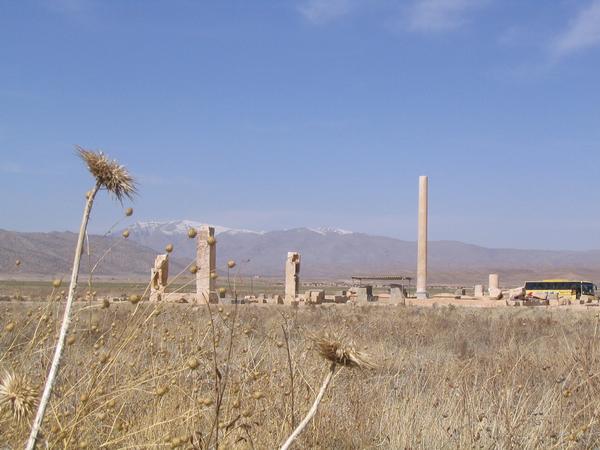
<point>337,353</point>
<point>17,396</point>
<point>115,179</point>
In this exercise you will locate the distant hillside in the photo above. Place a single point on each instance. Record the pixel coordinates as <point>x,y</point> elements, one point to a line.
<point>326,253</point>
<point>334,253</point>
<point>51,254</point>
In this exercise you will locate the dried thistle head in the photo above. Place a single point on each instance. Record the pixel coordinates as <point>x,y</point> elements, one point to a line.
<point>109,174</point>
<point>17,396</point>
<point>335,351</point>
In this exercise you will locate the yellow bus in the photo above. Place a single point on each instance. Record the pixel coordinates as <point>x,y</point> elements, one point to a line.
<point>572,290</point>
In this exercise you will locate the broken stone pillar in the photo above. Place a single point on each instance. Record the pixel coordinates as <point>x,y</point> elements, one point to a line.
<point>159,276</point>
<point>422,240</point>
<point>292,276</point>
<point>275,299</point>
<point>478,290</point>
<point>494,287</point>
<point>364,293</point>
<point>206,261</point>
<point>397,295</point>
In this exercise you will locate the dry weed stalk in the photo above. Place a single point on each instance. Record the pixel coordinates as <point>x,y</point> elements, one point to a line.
<point>115,179</point>
<point>336,352</point>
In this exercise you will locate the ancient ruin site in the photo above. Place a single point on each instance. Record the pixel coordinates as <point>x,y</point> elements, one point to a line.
<point>299,224</point>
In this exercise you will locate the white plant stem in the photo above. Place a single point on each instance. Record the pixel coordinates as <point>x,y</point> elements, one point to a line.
<point>313,410</point>
<point>39,417</point>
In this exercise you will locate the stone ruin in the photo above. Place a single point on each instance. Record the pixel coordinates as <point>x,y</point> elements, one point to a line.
<point>206,261</point>
<point>206,282</point>
<point>478,291</point>
<point>292,277</point>
<point>397,294</point>
<point>494,290</point>
<point>315,296</point>
<point>159,276</point>
<point>363,294</point>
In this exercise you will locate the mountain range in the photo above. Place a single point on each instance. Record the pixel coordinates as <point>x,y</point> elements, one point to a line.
<point>326,253</point>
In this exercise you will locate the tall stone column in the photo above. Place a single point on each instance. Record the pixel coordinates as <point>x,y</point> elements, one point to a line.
<point>422,240</point>
<point>292,276</point>
<point>206,261</point>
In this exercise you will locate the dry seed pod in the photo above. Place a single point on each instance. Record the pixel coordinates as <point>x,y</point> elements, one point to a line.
<point>169,248</point>
<point>18,262</point>
<point>194,268</point>
<point>134,298</point>
<point>192,233</point>
<point>129,212</point>
<point>222,291</point>
<point>161,391</point>
<point>10,326</point>
<point>56,283</point>
<point>125,234</point>
<point>193,363</point>
<point>214,276</point>
<point>231,264</point>
<point>211,240</point>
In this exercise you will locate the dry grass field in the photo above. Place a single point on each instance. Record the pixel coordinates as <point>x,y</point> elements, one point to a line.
<point>178,376</point>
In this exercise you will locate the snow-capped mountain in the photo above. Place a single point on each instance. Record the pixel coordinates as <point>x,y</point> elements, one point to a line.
<point>176,227</point>
<point>324,231</point>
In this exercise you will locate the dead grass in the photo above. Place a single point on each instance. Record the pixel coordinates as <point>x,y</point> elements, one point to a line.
<point>143,376</point>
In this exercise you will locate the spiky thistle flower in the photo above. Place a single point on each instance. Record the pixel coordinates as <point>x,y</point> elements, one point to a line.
<point>17,396</point>
<point>335,351</point>
<point>109,174</point>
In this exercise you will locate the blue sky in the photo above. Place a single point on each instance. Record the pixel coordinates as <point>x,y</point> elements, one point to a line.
<point>279,114</point>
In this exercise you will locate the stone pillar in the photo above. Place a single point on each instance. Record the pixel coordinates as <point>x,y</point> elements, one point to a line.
<point>292,276</point>
<point>493,281</point>
<point>364,293</point>
<point>206,261</point>
<point>422,241</point>
<point>397,294</point>
<point>159,276</point>
<point>494,287</point>
<point>478,290</point>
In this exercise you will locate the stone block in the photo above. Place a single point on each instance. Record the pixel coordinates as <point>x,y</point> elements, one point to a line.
<point>478,290</point>
<point>363,293</point>
<point>315,296</point>
<point>495,293</point>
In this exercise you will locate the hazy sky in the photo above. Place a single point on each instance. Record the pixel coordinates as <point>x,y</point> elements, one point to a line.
<point>280,114</point>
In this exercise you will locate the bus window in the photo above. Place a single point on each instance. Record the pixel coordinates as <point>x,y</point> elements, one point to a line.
<point>587,288</point>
